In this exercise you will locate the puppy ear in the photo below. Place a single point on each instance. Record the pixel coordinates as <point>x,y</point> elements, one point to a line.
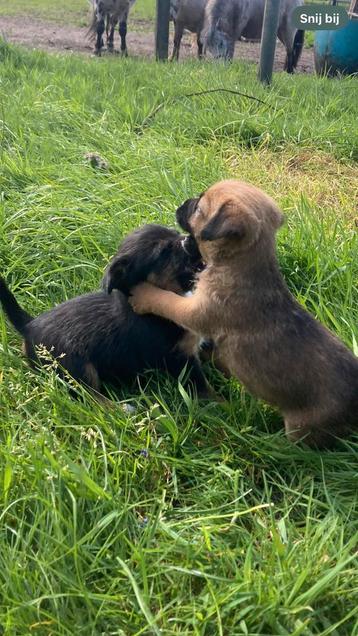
<point>277,217</point>
<point>115,275</point>
<point>127,270</point>
<point>229,223</point>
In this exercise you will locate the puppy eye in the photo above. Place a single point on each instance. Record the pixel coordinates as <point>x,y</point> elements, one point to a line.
<point>198,210</point>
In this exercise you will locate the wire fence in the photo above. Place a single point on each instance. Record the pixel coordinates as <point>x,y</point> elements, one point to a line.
<point>342,3</point>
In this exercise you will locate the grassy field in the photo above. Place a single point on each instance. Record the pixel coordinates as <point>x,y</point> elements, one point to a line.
<point>182,518</point>
<point>75,12</point>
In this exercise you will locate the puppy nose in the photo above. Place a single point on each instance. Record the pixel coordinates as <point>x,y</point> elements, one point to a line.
<point>182,215</point>
<point>107,283</point>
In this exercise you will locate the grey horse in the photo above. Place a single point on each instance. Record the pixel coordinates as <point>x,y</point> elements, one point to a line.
<point>187,14</point>
<point>228,20</point>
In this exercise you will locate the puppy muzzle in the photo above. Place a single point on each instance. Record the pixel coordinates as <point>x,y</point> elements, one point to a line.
<point>184,213</point>
<point>190,247</point>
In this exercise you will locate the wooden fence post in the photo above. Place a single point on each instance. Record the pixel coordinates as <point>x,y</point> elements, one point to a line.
<point>268,40</point>
<point>162,30</point>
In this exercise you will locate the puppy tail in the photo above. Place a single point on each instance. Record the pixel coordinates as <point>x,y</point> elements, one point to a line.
<point>17,316</point>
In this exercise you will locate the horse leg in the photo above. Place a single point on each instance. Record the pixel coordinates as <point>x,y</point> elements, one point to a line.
<point>100,15</point>
<point>293,42</point>
<point>237,28</point>
<point>230,50</point>
<point>289,62</point>
<point>297,46</point>
<point>200,46</point>
<point>178,34</point>
<point>286,38</point>
<point>123,33</point>
<point>110,35</point>
<point>107,26</point>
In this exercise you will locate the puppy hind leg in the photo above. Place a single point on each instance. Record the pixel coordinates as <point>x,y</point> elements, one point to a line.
<point>93,384</point>
<point>208,352</point>
<point>85,373</point>
<point>29,352</point>
<point>303,429</point>
<point>90,376</point>
<point>198,380</point>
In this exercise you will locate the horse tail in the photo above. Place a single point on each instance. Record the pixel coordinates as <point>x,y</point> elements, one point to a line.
<point>298,46</point>
<point>17,316</point>
<point>92,29</point>
<point>174,7</point>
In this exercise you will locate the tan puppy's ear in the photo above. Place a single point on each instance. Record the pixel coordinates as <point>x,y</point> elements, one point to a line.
<point>277,218</point>
<point>227,223</point>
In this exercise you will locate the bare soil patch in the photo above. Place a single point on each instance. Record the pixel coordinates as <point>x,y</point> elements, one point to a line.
<point>48,36</point>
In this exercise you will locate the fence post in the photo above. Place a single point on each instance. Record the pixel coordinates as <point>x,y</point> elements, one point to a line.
<point>162,30</point>
<point>268,40</point>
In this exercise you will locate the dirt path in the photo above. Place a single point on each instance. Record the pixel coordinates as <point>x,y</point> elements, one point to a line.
<point>48,36</point>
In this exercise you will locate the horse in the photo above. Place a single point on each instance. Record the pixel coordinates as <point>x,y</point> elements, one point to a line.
<point>187,14</point>
<point>111,11</point>
<point>227,20</point>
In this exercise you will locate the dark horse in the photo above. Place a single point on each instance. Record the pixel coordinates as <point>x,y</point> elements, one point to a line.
<point>111,12</point>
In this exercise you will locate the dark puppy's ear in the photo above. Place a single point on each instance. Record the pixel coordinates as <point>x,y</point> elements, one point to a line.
<point>127,270</point>
<point>228,223</point>
<point>185,211</point>
<point>115,275</point>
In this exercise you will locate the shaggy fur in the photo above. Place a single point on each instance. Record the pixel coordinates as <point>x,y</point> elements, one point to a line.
<point>262,334</point>
<point>226,21</point>
<point>187,14</point>
<point>111,12</point>
<point>97,337</point>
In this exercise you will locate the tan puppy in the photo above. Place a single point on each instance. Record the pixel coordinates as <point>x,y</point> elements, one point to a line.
<point>261,334</point>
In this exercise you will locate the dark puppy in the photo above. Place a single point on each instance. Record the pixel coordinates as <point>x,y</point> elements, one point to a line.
<point>98,337</point>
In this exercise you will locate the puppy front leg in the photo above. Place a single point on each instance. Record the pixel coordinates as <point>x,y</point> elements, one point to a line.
<point>185,311</point>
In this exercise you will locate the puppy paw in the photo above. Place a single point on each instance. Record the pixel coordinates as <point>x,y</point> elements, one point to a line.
<point>141,298</point>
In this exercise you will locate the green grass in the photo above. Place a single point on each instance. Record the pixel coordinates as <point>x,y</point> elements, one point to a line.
<point>222,527</point>
<point>75,12</point>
